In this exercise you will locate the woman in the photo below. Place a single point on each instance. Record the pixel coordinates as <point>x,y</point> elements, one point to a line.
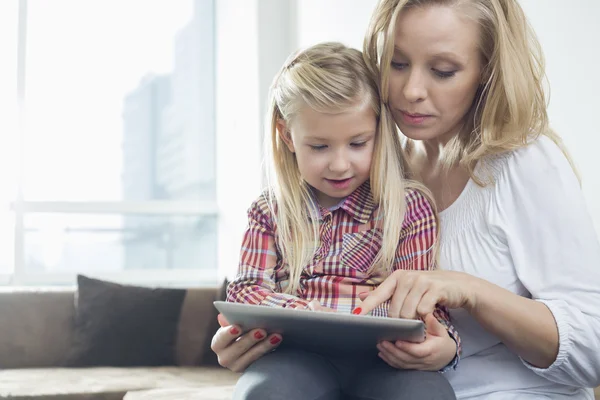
<point>519,255</point>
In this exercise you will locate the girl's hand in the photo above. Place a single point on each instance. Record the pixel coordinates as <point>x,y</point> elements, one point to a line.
<point>415,294</point>
<point>238,352</point>
<point>436,352</point>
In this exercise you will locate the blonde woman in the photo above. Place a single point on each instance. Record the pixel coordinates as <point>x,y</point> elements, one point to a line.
<point>337,218</point>
<point>519,258</point>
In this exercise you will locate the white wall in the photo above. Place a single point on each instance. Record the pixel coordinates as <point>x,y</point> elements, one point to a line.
<point>254,37</point>
<point>237,124</point>
<point>570,36</point>
<point>344,21</point>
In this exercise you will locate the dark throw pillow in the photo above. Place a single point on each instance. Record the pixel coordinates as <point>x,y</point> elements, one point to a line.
<point>121,325</point>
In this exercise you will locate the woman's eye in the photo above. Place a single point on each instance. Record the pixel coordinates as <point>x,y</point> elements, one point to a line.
<point>443,74</point>
<point>399,65</point>
<point>358,144</point>
<point>318,147</point>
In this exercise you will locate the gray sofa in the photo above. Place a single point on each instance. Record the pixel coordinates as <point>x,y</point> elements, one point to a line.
<point>37,329</point>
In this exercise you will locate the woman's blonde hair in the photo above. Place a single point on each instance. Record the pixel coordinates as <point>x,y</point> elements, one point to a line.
<point>329,78</point>
<point>509,109</point>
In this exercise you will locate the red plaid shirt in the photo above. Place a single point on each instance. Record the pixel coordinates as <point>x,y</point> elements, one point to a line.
<point>347,247</point>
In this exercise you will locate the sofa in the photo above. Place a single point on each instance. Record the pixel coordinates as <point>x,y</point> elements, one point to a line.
<point>37,331</point>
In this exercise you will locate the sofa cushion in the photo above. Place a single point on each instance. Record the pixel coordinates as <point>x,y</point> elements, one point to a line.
<point>106,383</point>
<point>205,393</point>
<point>197,325</point>
<point>36,326</point>
<point>123,325</point>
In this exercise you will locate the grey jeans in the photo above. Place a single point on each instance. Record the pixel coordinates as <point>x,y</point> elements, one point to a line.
<point>288,374</point>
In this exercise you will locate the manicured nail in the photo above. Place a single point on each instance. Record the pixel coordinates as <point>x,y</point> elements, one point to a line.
<point>361,293</point>
<point>258,335</point>
<point>234,331</point>
<point>357,310</point>
<point>274,340</point>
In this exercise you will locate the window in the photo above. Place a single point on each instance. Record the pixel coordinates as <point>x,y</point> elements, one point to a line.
<point>112,170</point>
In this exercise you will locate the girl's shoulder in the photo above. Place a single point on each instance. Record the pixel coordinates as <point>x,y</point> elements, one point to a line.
<point>263,207</point>
<point>418,205</point>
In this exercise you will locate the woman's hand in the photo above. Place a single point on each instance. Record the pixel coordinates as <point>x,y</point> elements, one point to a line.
<point>238,352</point>
<point>436,352</point>
<point>415,294</point>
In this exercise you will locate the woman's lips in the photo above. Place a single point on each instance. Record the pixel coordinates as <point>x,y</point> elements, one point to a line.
<point>414,119</point>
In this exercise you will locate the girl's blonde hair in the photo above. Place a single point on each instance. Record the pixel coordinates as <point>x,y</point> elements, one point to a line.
<point>328,78</point>
<point>509,109</point>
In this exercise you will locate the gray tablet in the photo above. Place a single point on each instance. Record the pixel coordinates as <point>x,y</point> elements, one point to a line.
<point>323,331</point>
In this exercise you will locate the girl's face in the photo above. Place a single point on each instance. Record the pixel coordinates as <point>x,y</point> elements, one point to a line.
<point>435,72</point>
<point>333,151</point>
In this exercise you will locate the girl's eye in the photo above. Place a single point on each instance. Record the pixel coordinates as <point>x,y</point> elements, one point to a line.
<point>318,147</point>
<point>399,65</point>
<point>443,74</point>
<point>358,144</point>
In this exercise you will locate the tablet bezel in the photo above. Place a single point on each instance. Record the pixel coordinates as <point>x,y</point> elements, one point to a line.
<point>322,331</point>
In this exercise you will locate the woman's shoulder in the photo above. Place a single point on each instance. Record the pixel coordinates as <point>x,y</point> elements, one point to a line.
<point>539,154</point>
<point>535,162</point>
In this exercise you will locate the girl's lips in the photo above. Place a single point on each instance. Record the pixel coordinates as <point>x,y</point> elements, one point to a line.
<point>339,183</point>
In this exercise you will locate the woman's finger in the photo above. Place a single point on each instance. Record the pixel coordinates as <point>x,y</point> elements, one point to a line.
<point>383,293</point>
<point>418,288</point>
<point>403,288</point>
<point>428,302</point>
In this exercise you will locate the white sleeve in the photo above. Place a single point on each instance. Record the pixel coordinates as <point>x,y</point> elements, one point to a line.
<point>556,253</point>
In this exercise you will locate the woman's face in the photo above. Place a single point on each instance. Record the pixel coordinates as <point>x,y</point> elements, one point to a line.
<point>435,72</point>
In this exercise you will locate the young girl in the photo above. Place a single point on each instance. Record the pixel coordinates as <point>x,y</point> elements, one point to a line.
<point>338,217</point>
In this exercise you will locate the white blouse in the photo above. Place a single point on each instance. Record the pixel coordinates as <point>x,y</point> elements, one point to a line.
<point>530,233</point>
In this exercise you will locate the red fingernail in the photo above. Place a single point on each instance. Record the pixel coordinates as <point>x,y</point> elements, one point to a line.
<point>357,310</point>
<point>234,331</point>
<point>258,335</point>
<point>361,293</point>
<point>274,340</point>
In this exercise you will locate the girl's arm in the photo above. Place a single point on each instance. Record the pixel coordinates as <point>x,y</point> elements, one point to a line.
<point>256,281</point>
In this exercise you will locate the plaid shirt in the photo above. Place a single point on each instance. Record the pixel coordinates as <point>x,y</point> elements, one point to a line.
<point>349,242</point>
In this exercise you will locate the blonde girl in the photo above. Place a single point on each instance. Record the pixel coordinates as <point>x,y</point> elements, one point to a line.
<point>337,218</point>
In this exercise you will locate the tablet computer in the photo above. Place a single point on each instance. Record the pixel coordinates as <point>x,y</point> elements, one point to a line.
<point>323,332</point>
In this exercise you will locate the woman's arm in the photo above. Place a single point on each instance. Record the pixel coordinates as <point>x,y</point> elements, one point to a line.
<point>556,255</point>
<point>525,326</point>
<point>555,250</point>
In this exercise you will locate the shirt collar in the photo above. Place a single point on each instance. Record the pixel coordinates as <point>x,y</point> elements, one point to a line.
<point>359,204</point>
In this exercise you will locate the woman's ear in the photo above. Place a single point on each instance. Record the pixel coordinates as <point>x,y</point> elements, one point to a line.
<point>285,134</point>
